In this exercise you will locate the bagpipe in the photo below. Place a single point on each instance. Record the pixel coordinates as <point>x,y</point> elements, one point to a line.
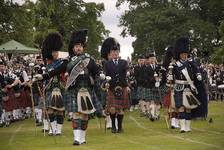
<point>104,81</point>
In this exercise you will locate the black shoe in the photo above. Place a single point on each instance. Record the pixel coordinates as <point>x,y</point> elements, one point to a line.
<point>58,134</point>
<point>120,131</point>
<point>50,134</point>
<point>182,131</point>
<point>45,130</point>
<point>76,143</point>
<point>113,130</point>
<point>152,119</point>
<point>172,127</point>
<point>83,142</point>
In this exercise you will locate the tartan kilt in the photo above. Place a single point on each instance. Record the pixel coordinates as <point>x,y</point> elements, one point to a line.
<point>28,101</point>
<point>160,93</point>
<point>149,94</point>
<point>140,93</point>
<point>23,99</point>
<point>19,101</point>
<point>134,94</point>
<point>71,100</point>
<point>167,99</point>
<point>9,104</point>
<point>121,102</point>
<point>163,89</point>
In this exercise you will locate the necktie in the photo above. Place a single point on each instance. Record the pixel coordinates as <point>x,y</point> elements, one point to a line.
<point>116,62</point>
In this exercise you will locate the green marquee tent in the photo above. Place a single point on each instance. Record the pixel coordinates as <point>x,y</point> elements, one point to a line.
<point>14,47</point>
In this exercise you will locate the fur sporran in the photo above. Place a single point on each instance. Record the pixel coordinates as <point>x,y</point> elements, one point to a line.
<point>189,100</point>
<point>118,92</point>
<point>84,101</point>
<point>57,100</point>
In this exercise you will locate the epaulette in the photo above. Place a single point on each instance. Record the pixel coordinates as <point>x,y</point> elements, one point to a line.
<point>178,63</point>
<point>88,55</point>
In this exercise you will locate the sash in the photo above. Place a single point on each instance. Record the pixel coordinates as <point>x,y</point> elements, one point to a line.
<point>186,75</point>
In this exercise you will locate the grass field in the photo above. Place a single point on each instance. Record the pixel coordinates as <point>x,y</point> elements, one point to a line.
<point>140,134</point>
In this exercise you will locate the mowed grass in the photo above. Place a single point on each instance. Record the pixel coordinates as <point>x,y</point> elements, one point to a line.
<point>140,134</point>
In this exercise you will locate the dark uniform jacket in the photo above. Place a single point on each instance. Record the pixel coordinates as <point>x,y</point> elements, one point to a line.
<point>117,72</point>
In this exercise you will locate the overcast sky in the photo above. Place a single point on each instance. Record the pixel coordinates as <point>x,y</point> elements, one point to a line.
<point>110,18</point>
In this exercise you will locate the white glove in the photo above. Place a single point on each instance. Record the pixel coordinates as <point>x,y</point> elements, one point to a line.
<point>108,78</point>
<point>102,76</point>
<point>128,89</point>
<point>157,84</point>
<point>170,77</point>
<point>199,77</point>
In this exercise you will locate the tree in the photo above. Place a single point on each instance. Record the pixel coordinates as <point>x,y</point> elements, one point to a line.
<point>218,56</point>
<point>157,24</point>
<point>15,22</point>
<point>30,22</point>
<point>66,16</point>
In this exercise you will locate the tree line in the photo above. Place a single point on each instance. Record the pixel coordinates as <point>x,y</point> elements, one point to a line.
<point>30,21</point>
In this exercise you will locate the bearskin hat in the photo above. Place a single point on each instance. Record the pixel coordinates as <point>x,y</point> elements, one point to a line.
<point>181,46</point>
<point>53,42</point>
<point>79,36</point>
<point>151,54</point>
<point>38,57</point>
<point>108,45</point>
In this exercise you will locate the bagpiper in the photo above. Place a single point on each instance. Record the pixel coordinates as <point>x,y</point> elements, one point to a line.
<point>152,102</point>
<point>55,85</point>
<point>106,56</point>
<point>81,73</point>
<point>186,78</point>
<point>139,74</point>
<point>117,96</point>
